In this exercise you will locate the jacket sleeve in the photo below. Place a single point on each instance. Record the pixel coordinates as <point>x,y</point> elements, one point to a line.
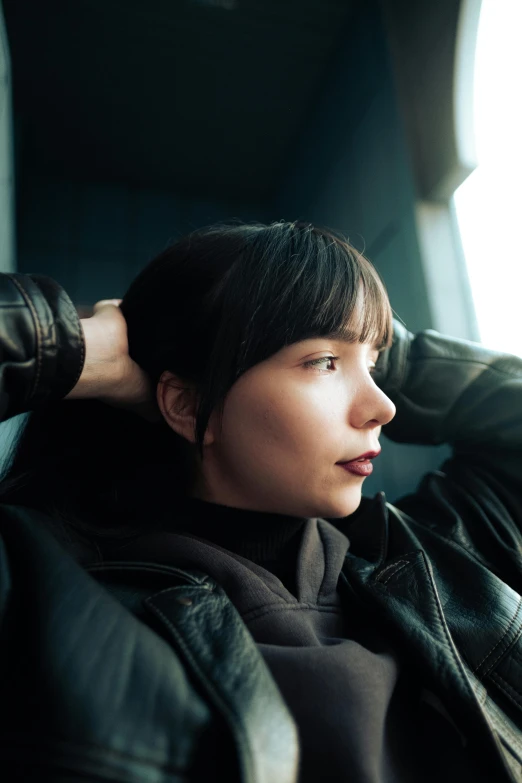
<point>42,346</point>
<point>454,391</point>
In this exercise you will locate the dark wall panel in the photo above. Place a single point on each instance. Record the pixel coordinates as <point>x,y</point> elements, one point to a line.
<point>351,170</point>
<point>94,238</point>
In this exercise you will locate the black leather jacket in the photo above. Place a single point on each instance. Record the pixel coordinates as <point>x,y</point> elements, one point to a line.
<point>136,672</point>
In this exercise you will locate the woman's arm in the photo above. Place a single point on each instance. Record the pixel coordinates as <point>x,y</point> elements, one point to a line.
<point>47,353</point>
<point>454,391</point>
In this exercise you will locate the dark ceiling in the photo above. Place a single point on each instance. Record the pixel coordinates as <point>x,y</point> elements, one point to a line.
<point>202,96</point>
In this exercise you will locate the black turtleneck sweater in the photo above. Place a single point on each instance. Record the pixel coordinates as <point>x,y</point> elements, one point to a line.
<point>362,717</point>
<point>267,539</point>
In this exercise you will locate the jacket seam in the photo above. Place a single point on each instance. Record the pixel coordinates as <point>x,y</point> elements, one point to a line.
<point>393,570</point>
<point>506,632</point>
<point>173,571</point>
<point>501,727</point>
<point>495,676</point>
<point>439,618</point>
<point>512,642</point>
<point>67,302</point>
<point>63,313</point>
<point>255,614</point>
<point>38,329</point>
<point>516,655</point>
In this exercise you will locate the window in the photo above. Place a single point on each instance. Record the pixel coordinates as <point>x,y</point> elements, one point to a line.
<point>489,203</point>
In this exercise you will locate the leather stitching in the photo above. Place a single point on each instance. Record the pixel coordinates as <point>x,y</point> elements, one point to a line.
<point>516,655</point>
<point>495,676</point>
<point>501,638</point>
<point>500,677</point>
<point>394,573</point>
<point>502,652</point>
<point>394,568</point>
<point>255,614</point>
<point>501,728</point>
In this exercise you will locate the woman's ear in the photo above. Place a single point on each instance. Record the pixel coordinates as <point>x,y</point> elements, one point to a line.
<point>177,403</point>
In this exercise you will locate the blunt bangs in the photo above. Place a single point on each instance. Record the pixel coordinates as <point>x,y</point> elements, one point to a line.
<point>301,282</point>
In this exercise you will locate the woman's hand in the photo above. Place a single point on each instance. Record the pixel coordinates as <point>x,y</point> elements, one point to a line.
<point>109,374</point>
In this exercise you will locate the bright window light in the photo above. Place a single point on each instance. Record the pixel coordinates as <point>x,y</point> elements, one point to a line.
<point>489,203</point>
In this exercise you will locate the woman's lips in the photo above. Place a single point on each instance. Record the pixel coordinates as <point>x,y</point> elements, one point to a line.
<point>360,467</point>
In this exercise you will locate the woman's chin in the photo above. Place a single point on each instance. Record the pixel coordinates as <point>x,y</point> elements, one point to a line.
<point>345,506</point>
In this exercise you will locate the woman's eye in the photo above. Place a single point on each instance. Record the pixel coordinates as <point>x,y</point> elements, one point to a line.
<point>316,362</point>
<point>322,359</point>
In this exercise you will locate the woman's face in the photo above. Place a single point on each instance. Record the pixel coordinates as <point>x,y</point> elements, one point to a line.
<point>286,423</point>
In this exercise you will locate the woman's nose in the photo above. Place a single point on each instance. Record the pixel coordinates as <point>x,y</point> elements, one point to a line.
<point>388,409</point>
<point>375,409</point>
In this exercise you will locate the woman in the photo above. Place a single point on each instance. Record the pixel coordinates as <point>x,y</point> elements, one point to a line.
<point>192,587</point>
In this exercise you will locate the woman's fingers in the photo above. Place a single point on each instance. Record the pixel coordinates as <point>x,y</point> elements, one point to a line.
<point>109,373</point>
<point>104,302</point>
